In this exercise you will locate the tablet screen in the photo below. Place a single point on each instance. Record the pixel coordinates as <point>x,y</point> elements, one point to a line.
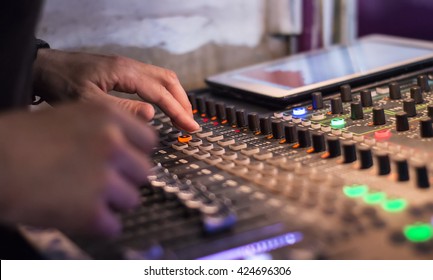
<point>303,73</point>
<point>335,63</point>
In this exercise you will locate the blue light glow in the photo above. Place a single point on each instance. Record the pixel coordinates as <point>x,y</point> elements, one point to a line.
<point>299,111</point>
<point>260,247</point>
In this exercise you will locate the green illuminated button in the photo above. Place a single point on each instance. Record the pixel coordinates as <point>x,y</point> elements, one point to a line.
<point>394,205</point>
<point>418,232</point>
<point>338,123</point>
<point>355,190</point>
<point>374,198</point>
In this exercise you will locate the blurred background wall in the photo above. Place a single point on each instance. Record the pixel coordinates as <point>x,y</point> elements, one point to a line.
<point>195,38</point>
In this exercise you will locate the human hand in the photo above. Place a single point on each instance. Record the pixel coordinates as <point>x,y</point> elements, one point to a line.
<point>62,75</point>
<point>72,167</point>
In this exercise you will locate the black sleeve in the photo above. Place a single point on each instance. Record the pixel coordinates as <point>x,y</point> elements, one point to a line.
<point>18,19</point>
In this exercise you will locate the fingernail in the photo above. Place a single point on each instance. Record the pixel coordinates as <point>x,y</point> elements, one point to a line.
<point>196,125</point>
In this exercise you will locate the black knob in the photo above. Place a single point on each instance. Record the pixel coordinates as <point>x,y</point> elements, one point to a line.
<point>422,81</point>
<point>265,126</point>
<point>379,116</point>
<point>349,151</point>
<point>383,163</point>
<point>317,100</point>
<point>365,157</point>
<point>240,118</point>
<point>210,108</point>
<point>192,99</point>
<point>366,98</point>
<point>319,144</point>
<point>356,111</point>
<point>290,133</point>
<point>304,137</point>
<point>201,105</point>
<point>416,94</point>
<point>221,111</point>
<point>334,148</point>
<point>409,107</point>
<point>277,129</point>
<point>346,93</point>
<point>426,129</point>
<point>336,106</point>
<point>253,122</point>
<point>401,121</point>
<point>402,168</point>
<point>421,173</point>
<point>231,115</point>
<point>394,91</point>
<point>430,110</point>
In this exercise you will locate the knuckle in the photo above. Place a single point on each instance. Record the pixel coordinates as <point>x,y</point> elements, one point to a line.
<point>161,94</point>
<point>119,61</point>
<point>170,77</point>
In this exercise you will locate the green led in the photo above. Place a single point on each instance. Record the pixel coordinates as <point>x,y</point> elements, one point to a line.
<point>355,190</point>
<point>394,205</point>
<point>374,198</point>
<point>338,123</point>
<point>418,232</point>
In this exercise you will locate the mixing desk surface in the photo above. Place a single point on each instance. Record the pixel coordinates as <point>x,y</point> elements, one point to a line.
<point>344,176</point>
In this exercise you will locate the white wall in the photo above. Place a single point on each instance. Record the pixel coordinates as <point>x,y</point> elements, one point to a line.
<point>195,38</point>
<point>173,25</point>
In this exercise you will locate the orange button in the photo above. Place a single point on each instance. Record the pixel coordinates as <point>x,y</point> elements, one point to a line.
<point>184,138</point>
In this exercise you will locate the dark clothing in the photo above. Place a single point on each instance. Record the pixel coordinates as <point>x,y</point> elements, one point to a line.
<point>18,20</point>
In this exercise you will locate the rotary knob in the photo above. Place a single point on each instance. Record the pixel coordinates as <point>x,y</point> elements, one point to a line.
<point>336,106</point>
<point>394,91</point>
<point>383,163</point>
<point>319,144</point>
<point>346,93</point>
<point>277,129</point>
<point>334,148</point>
<point>426,129</point>
<point>365,157</point>
<point>304,137</point>
<point>290,133</point>
<point>265,126</point>
<point>379,116</point>
<point>401,121</point>
<point>366,98</point>
<point>356,111</point>
<point>317,100</point>
<point>409,107</point>
<point>253,122</point>
<point>349,151</point>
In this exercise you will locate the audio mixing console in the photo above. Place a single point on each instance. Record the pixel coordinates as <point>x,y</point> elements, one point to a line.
<point>344,176</point>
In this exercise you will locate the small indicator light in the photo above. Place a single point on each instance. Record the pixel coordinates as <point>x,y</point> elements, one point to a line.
<point>299,111</point>
<point>338,123</point>
<point>355,190</point>
<point>374,198</point>
<point>394,205</point>
<point>418,232</point>
<point>382,135</point>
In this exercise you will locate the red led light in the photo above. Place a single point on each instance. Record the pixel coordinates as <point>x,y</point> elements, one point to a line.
<point>382,135</point>
<point>205,120</point>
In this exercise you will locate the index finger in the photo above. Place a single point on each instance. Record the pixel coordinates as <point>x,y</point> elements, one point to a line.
<point>139,134</point>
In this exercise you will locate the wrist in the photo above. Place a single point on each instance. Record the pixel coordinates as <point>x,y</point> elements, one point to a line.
<point>40,48</point>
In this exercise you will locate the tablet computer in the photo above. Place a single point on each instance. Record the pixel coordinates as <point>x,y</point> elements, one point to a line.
<point>289,79</point>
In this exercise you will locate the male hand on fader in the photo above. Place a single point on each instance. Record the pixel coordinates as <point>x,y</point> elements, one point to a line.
<point>62,75</point>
